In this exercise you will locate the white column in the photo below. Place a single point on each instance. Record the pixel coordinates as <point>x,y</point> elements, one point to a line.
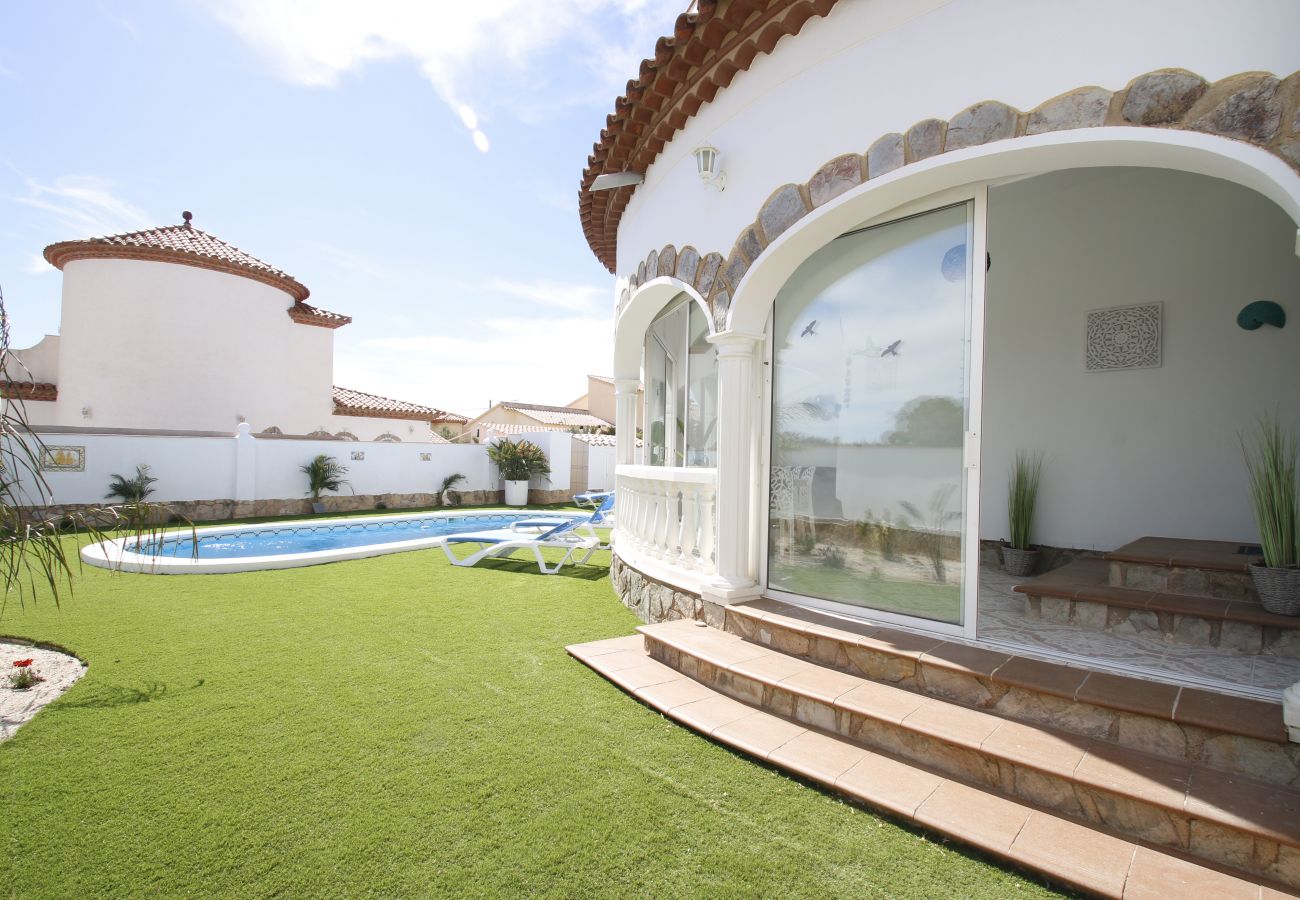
<point>625,395</point>
<point>738,439</point>
<point>245,463</point>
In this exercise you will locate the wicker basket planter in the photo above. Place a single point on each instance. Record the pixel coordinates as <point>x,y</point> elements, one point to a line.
<point>1278,589</point>
<point>1019,562</point>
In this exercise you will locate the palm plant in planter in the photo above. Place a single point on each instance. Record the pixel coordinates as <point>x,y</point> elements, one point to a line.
<point>1019,556</point>
<point>1271,456</point>
<point>518,462</point>
<point>447,494</point>
<point>324,473</point>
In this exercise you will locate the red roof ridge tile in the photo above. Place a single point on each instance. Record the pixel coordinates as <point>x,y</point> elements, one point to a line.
<point>306,314</point>
<point>183,244</point>
<point>709,46</point>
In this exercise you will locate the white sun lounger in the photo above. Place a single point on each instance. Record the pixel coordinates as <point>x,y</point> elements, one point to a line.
<point>601,518</point>
<point>504,543</point>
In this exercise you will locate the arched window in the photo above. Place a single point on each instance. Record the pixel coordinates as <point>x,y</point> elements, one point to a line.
<point>681,388</point>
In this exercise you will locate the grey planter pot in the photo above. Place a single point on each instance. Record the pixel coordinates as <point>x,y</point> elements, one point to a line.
<point>1019,563</point>
<point>1278,589</point>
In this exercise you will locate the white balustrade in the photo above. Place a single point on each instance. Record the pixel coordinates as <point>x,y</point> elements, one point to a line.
<point>668,514</point>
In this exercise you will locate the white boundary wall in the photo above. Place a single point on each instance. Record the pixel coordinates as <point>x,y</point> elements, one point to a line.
<point>242,467</point>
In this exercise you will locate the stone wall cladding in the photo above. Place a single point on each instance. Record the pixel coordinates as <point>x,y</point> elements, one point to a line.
<point>1253,107</point>
<point>223,510</point>
<point>655,601</point>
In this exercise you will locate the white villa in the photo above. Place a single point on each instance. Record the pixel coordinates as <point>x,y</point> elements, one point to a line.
<point>866,251</point>
<point>172,329</point>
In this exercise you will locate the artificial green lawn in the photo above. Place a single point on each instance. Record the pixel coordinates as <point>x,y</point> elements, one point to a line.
<point>396,727</point>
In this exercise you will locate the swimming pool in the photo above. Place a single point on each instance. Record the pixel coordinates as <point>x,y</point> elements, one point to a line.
<point>283,545</point>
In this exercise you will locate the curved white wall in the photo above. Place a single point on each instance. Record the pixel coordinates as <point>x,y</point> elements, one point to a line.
<point>162,346</point>
<point>870,68</point>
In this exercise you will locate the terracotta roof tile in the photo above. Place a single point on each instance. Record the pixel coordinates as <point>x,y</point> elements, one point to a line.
<point>29,390</point>
<point>348,402</point>
<point>306,314</point>
<point>711,43</point>
<point>182,244</point>
<point>566,416</point>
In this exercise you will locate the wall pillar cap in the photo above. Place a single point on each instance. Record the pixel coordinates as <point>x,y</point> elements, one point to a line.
<point>627,385</point>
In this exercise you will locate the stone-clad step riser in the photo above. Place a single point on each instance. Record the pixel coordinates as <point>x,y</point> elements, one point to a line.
<point>1183,580</point>
<point>1175,627</point>
<point>1274,762</point>
<point>1051,787</point>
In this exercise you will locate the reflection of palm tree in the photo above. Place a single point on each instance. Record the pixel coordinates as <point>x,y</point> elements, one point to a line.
<point>935,522</point>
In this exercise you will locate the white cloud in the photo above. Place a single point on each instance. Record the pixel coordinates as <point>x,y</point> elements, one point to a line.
<point>84,206</point>
<point>538,359</point>
<point>37,265</point>
<point>557,294</point>
<point>488,52</point>
<point>351,260</point>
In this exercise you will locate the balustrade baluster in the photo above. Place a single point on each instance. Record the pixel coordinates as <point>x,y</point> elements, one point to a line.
<point>708,530</point>
<point>690,524</point>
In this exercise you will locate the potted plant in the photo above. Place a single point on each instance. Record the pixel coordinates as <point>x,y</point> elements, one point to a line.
<point>324,473</point>
<point>1019,556</point>
<point>447,493</point>
<point>518,462</point>
<point>132,492</point>
<point>1271,455</point>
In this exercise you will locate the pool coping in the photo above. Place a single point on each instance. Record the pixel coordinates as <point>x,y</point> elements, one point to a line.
<point>112,554</point>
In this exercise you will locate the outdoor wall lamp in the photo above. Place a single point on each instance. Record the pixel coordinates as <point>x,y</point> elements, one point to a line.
<point>708,163</point>
<point>85,412</point>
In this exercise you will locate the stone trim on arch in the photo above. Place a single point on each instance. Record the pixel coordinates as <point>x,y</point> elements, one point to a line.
<point>1254,107</point>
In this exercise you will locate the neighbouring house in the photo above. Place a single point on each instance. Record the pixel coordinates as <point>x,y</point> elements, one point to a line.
<point>866,252</point>
<point>509,418</point>
<point>173,329</point>
<point>599,399</point>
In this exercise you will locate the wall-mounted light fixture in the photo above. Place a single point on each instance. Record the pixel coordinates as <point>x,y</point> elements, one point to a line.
<point>85,412</point>
<point>240,419</point>
<point>708,163</point>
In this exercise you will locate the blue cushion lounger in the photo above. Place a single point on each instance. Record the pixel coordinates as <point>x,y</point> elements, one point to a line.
<point>504,543</point>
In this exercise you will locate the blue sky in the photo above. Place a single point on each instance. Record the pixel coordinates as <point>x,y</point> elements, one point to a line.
<point>414,164</point>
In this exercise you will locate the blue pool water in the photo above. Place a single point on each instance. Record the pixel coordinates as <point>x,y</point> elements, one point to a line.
<point>283,540</point>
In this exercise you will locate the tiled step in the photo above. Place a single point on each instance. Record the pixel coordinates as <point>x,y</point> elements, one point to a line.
<point>1080,856</point>
<point>1081,594</point>
<point>1221,731</point>
<point>1216,569</point>
<point>1214,815</point>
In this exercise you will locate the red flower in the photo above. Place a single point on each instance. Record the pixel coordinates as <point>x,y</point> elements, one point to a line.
<point>23,663</point>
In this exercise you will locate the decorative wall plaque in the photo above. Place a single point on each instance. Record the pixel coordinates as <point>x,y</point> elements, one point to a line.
<point>426,457</point>
<point>63,459</point>
<point>1124,337</point>
<point>358,454</point>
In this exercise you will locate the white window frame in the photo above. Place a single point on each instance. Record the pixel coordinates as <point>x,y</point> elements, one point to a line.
<point>977,194</point>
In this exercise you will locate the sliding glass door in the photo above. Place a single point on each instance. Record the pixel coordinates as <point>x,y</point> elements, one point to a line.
<point>873,456</point>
